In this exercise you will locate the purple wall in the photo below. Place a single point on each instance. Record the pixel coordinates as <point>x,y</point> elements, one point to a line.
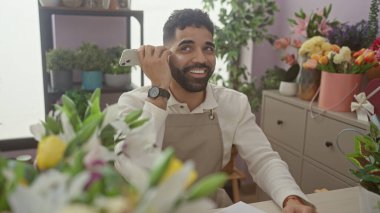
<point>264,55</point>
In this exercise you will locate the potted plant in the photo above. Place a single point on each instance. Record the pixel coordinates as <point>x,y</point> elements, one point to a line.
<point>60,64</point>
<point>92,61</point>
<point>366,159</point>
<point>116,75</point>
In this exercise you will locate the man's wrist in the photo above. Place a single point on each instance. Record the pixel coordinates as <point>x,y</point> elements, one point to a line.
<point>292,199</point>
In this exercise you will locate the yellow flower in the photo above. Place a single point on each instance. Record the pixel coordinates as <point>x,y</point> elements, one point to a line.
<point>50,152</point>
<point>174,166</point>
<point>323,60</point>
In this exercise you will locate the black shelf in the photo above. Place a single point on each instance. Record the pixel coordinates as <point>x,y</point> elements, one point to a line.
<point>45,15</point>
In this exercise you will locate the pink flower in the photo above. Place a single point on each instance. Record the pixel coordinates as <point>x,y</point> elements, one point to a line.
<point>281,43</point>
<point>300,28</point>
<point>310,64</point>
<point>289,59</point>
<point>323,27</point>
<point>297,43</point>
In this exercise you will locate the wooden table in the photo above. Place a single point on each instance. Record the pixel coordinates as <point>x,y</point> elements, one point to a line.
<point>336,201</point>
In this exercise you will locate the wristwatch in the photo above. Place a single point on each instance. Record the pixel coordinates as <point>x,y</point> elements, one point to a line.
<point>155,92</point>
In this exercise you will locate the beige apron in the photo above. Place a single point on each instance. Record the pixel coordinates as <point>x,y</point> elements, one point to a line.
<point>198,137</point>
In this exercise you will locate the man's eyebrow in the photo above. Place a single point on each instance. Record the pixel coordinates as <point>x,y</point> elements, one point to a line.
<point>185,42</point>
<point>209,43</point>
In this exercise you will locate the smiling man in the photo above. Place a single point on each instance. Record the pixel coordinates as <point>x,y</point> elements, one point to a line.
<point>201,120</point>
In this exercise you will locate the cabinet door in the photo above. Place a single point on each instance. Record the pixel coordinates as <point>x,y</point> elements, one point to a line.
<point>321,145</point>
<point>294,162</point>
<point>315,178</point>
<point>284,122</point>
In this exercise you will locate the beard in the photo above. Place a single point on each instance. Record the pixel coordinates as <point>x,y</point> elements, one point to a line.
<point>189,83</point>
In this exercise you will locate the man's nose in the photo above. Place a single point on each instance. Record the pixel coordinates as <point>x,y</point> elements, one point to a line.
<point>199,57</point>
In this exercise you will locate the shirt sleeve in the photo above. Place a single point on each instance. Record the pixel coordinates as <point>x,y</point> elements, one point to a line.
<point>267,169</point>
<point>131,101</point>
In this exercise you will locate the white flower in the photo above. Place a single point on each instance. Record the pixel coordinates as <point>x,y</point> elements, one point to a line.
<point>51,191</point>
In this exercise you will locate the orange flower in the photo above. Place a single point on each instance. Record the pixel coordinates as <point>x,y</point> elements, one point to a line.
<point>323,60</point>
<point>359,60</point>
<point>335,48</point>
<point>310,64</point>
<point>369,57</point>
<point>358,53</point>
<point>315,56</point>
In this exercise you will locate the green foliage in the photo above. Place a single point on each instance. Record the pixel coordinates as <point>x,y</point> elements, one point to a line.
<point>80,98</point>
<point>89,57</point>
<point>373,22</point>
<point>241,21</point>
<point>60,60</point>
<point>113,56</point>
<point>366,158</point>
<point>272,78</point>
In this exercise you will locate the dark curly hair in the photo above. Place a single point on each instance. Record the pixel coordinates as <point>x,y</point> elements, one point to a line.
<point>184,18</point>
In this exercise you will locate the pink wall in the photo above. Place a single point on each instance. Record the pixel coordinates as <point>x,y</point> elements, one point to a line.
<point>264,55</point>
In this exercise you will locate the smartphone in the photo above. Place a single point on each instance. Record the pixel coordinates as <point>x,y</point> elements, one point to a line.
<point>129,57</point>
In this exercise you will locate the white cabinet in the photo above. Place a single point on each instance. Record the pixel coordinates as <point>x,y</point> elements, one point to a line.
<point>309,144</point>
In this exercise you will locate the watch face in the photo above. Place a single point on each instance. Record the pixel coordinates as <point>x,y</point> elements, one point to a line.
<point>153,92</point>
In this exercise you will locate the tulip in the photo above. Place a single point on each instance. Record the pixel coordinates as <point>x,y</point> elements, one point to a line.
<point>369,57</point>
<point>50,151</point>
<point>359,60</point>
<point>358,53</point>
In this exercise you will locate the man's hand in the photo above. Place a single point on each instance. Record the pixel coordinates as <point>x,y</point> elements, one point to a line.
<point>154,61</point>
<point>296,206</point>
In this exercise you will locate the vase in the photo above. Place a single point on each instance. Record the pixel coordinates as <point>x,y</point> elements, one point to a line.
<point>369,202</point>
<point>308,83</point>
<point>337,91</point>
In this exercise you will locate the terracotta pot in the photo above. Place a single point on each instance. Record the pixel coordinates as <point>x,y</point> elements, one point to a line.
<point>337,91</point>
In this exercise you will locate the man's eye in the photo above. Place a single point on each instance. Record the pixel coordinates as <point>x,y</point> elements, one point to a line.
<point>185,48</point>
<point>210,49</point>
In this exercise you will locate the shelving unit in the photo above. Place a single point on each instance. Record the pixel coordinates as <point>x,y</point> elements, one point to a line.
<point>46,29</point>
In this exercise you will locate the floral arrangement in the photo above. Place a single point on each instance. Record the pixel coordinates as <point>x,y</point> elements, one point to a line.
<point>315,24</point>
<point>105,162</point>
<point>332,58</point>
<point>303,26</point>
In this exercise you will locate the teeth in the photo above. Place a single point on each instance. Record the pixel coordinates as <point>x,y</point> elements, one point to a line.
<point>197,71</point>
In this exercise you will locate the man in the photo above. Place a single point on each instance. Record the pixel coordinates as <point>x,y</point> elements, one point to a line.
<point>200,120</point>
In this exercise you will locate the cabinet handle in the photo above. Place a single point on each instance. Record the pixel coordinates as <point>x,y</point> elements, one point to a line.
<point>279,122</point>
<point>328,144</point>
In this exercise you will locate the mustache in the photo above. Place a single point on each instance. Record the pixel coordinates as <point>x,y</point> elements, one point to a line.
<point>198,65</point>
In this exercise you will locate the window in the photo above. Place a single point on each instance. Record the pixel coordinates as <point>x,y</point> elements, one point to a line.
<point>21,87</point>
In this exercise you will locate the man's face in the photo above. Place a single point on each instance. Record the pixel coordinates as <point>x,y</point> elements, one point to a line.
<point>193,60</point>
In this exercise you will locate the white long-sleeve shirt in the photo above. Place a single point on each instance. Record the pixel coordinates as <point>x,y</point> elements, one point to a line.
<point>238,127</point>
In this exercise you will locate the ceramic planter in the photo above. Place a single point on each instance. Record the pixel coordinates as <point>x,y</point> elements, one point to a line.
<point>92,80</point>
<point>61,80</point>
<point>337,91</point>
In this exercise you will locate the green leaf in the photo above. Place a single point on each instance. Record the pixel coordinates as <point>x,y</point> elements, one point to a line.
<point>70,110</point>
<point>138,123</point>
<point>206,186</point>
<point>94,104</point>
<point>53,126</point>
<point>132,116</point>
<point>83,134</point>
<point>160,166</point>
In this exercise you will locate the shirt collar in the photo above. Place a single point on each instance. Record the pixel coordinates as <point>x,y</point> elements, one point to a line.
<point>208,103</point>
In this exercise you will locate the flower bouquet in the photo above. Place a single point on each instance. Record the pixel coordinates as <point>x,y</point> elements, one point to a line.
<point>341,71</point>
<point>77,170</point>
<point>304,26</point>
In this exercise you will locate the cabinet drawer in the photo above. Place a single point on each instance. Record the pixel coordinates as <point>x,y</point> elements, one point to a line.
<point>315,178</point>
<point>321,146</point>
<point>293,161</point>
<point>284,122</point>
